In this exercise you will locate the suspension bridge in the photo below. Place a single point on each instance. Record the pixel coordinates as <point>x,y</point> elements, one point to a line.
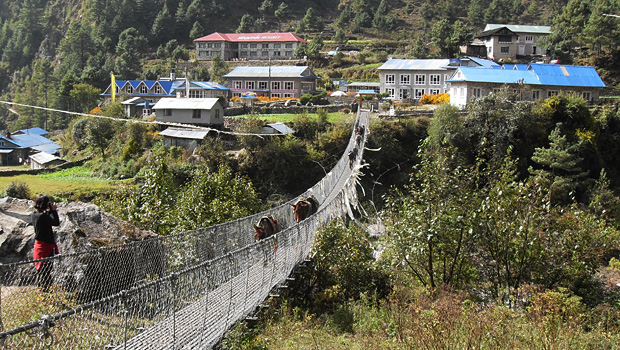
<point>182,291</point>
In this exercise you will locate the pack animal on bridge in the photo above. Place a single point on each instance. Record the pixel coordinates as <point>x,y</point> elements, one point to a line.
<point>352,156</point>
<point>266,227</point>
<point>305,207</point>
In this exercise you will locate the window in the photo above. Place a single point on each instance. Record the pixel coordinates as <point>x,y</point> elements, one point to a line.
<point>389,79</point>
<point>535,95</point>
<point>143,89</point>
<point>129,89</point>
<point>289,53</point>
<point>552,93</point>
<point>288,45</point>
<point>462,91</point>
<point>434,79</point>
<point>265,46</point>
<point>276,53</point>
<point>265,53</point>
<point>307,86</point>
<point>196,113</point>
<point>157,89</point>
<point>476,92</point>
<point>276,85</point>
<point>1,142</point>
<point>420,79</point>
<point>262,85</point>
<point>390,91</point>
<point>201,45</point>
<point>504,50</point>
<point>405,79</point>
<point>419,93</point>
<point>505,38</point>
<point>237,84</point>
<point>289,85</point>
<point>586,95</point>
<point>253,53</point>
<point>529,38</point>
<point>167,112</point>
<point>250,85</point>
<point>217,45</point>
<point>495,91</point>
<point>288,95</point>
<point>252,46</point>
<point>243,54</point>
<point>276,95</point>
<point>244,46</point>
<point>434,91</point>
<point>209,45</point>
<point>403,94</point>
<point>276,45</point>
<point>533,50</point>
<point>216,114</point>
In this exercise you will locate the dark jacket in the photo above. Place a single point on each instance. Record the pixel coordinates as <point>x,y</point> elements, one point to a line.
<point>43,222</point>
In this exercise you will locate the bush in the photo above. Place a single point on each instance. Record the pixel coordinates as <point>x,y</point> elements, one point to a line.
<point>18,190</point>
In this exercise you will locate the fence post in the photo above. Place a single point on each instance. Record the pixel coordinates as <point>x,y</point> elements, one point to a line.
<point>174,280</point>
<point>124,311</point>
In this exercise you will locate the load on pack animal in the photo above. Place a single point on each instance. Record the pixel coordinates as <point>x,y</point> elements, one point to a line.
<point>305,207</point>
<point>266,227</point>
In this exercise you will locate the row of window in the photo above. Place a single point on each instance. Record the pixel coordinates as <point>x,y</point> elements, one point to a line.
<point>403,94</point>
<point>265,53</point>
<point>273,94</point>
<point>265,45</point>
<point>419,79</point>
<point>477,93</point>
<point>196,113</point>
<point>262,85</point>
<point>142,89</point>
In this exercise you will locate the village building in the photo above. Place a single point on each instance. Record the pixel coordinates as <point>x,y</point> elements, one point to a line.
<point>536,82</point>
<point>183,137</point>
<point>272,81</point>
<point>139,96</point>
<point>44,160</point>
<point>16,148</point>
<point>508,41</point>
<point>193,111</point>
<point>409,79</point>
<point>248,46</point>
<point>356,86</point>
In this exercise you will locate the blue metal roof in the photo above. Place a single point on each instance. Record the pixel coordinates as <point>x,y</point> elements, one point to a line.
<point>411,64</point>
<point>567,75</point>
<point>50,148</point>
<point>499,76</point>
<point>484,62</point>
<point>517,66</point>
<point>205,85</point>
<point>536,74</point>
<point>36,131</point>
<point>30,140</point>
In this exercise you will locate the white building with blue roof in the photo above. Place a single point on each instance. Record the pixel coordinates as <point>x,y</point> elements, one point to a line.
<point>537,81</point>
<point>272,81</point>
<point>406,79</point>
<point>17,147</point>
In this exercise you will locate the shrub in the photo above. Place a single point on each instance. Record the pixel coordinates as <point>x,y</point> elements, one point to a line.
<point>18,190</point>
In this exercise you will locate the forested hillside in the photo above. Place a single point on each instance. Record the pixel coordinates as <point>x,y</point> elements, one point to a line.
<point>60,53</point>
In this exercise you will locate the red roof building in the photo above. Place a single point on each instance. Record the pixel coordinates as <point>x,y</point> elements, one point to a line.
<point>248,46</point>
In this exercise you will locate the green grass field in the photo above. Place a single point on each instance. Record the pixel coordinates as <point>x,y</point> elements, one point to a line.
<point>63,184</point>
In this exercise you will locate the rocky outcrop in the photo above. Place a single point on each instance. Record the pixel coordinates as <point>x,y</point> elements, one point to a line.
<point>83,226</point>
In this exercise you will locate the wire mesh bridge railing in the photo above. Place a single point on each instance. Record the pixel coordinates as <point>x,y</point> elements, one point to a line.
<point>181,291</point>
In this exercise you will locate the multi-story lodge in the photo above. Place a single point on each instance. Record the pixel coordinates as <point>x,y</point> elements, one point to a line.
<point>509,41</point>
<point>537,81</point>
<point>272,81</point>
<point>250,46</point>
<point>406,79</point>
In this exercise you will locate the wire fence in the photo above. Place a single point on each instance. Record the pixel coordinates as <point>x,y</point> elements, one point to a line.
<point>181,291</point>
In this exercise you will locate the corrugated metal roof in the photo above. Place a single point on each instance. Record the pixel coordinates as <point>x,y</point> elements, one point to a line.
<point>205,85</point>
<point>30,140</point>
<point>252,37</point>
<point>567,75</point>
<point>365,83</point>
<point>276,72</point>
<point>517,28</point>
<point>43,157</point>
<point>281,128</point>
<point>186,103</point>
<point>499,76</point>
<point>411,64</point>
<point>180,133</point>
<point>536,74</point>
<point>36,131</point>
<point>484,62</point>
<point>49,148</point>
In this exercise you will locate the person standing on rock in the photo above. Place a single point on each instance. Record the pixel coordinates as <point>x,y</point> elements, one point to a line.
<point>45,245</point>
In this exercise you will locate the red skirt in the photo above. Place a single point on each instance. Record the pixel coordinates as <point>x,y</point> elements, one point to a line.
<point>43,250</point>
